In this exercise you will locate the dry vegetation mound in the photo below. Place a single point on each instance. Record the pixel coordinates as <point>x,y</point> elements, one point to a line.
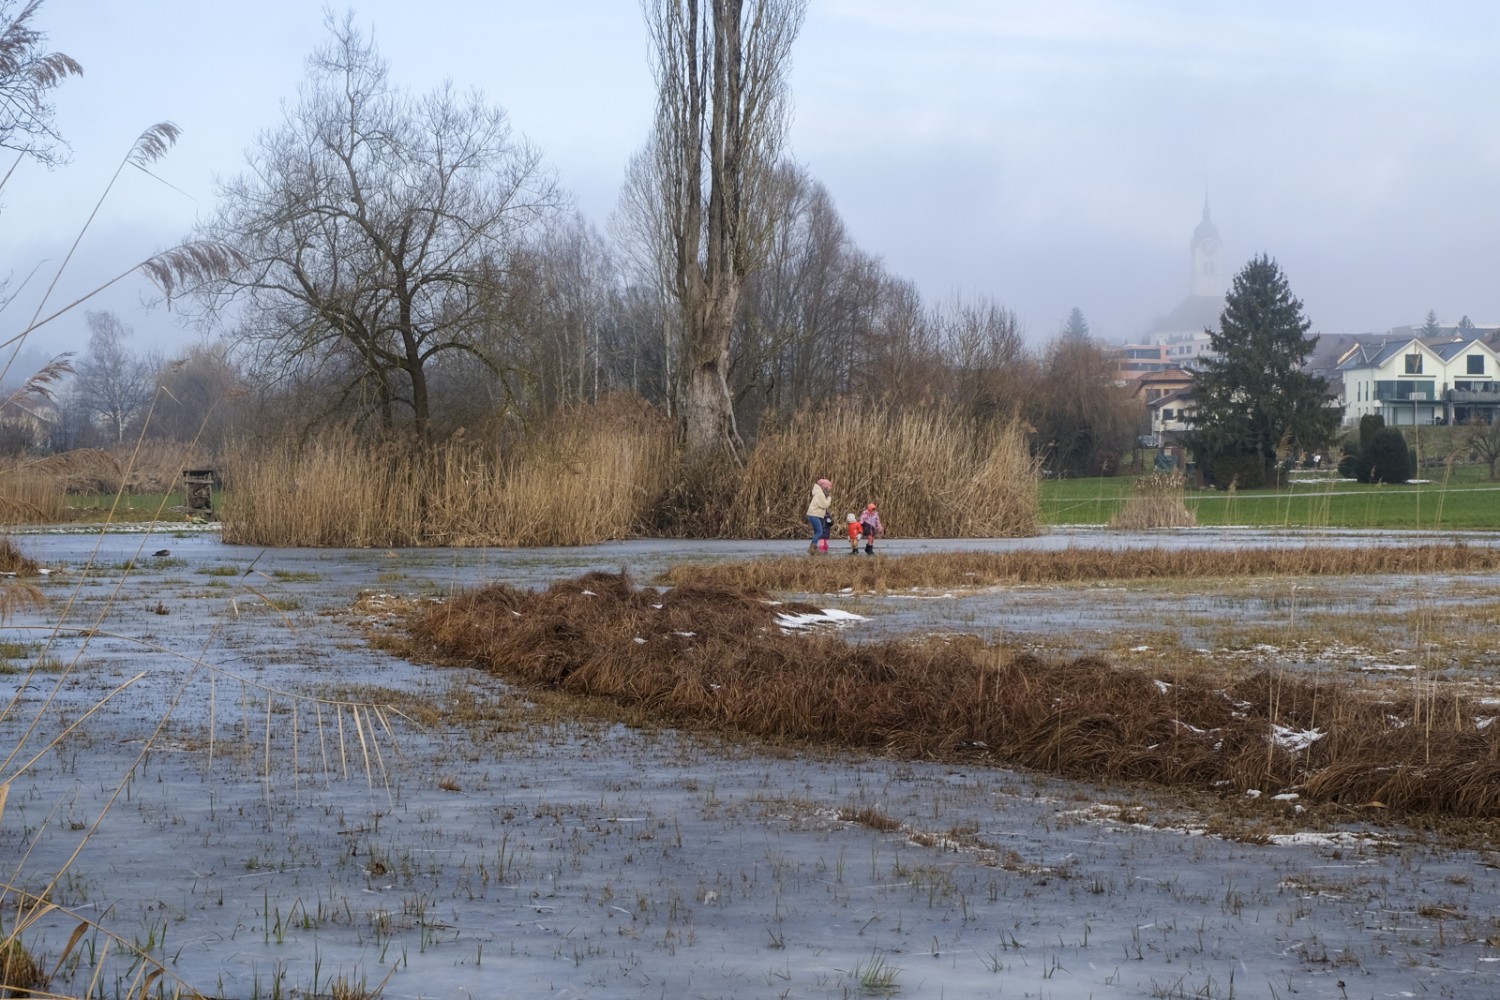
<point>718,657</point>
<point>15,562</point>
<point>987,569</point>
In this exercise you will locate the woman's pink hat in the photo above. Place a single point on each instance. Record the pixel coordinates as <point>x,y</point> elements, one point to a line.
<point>824,483</point>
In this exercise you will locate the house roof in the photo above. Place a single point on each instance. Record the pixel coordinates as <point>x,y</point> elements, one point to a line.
<point>1373,355</point>
<point>1456,348</point>
<point>1175,396</point>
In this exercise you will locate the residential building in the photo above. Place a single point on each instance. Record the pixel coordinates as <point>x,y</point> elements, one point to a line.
<point>1151,386</point>
<point>1411,381</point>
<point>1170,414</point>
<point>1134,360</point>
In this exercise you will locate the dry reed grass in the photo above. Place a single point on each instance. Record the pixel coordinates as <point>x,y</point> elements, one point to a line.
<point>610,471</point>
<point>716,657</point>
<point>934,475</point>
<point>587,477</point>
<point>986,569</point>
<point>1157,501</point>
<point>30,493</point>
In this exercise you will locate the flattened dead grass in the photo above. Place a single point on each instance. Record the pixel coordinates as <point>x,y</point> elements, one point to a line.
<point>717,657</point>
<point>802,574</point>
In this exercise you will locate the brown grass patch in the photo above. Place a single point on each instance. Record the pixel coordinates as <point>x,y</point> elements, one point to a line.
<point>716,657</point>
<point>13,560</point>
<point>21,975</point>
<point>801,574</point>
<point>1157,501</point>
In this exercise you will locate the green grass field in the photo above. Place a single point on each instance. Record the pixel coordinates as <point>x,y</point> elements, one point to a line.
<point>1462,500</point>
<point>95,508</point>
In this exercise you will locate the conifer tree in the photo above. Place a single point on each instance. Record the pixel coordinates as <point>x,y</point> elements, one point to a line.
<point>1252,399</point>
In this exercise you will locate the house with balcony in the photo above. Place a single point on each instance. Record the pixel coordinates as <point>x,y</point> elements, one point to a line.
<point>1416,381</point>
<point>1170,415</point>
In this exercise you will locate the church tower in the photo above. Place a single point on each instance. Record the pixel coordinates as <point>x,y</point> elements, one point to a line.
<point>1208,260</point>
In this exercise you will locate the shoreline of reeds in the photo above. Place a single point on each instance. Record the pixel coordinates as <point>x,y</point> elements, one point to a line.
<point>614,471</point>
<point>969,569</point>
<point>716,657</point>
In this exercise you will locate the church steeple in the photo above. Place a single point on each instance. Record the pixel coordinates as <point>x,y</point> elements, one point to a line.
<point>1207,274</point>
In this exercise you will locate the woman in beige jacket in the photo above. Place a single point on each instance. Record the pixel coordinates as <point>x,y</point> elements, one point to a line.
<point>817,515</point>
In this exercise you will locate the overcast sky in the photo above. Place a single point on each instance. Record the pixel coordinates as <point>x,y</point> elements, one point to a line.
<point>1044,153</point>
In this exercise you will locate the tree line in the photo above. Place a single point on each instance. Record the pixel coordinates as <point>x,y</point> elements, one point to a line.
<point>408,264</point>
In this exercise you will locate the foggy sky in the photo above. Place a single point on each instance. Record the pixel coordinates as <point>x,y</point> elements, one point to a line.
<point>1044,153</point>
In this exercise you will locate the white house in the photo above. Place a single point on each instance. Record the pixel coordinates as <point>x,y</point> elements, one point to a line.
<point>1412,381</point>
<point>1170,414</point>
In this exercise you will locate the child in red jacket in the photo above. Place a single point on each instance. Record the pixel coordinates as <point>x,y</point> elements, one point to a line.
<point>856,531</point>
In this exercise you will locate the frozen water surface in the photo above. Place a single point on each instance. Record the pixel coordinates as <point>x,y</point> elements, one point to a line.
<point>573,860</point>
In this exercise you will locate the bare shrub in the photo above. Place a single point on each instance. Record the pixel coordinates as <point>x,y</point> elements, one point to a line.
<point>1157,502</point>
<point>718,657</point>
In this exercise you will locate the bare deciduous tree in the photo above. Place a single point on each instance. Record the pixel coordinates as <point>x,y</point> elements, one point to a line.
<point>1484,440</point>
<point>722,110</point>
<point>982,342</point>
<point>644,237</point>
<point>113,383</point>
<point>1084,422</point>
<point>200,398</point>
<point>375,228</point>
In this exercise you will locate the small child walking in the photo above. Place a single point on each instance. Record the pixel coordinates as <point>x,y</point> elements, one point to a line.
<point>870,528</point>
<point>856,531</point>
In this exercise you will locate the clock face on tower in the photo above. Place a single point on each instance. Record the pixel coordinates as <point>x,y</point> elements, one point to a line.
<point>1210,247</point>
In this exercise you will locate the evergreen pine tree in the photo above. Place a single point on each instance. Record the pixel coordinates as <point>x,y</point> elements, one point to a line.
<point>1076,328</point>
<point>1252,397</point>
<point>1430,326</point>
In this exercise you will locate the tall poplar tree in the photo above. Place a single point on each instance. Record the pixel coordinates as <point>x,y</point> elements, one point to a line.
<point>1252,400</point>
<point>721,117</point>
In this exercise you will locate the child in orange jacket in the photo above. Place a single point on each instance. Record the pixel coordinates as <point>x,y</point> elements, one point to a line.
<point>856,529</point>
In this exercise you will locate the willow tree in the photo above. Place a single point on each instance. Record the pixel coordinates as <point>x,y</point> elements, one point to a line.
<point>721,115</point>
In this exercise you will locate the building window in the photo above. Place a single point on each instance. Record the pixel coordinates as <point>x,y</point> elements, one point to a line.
<point>1414,364</point>
<point>1167,414</point>
<point>1476,364</point>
